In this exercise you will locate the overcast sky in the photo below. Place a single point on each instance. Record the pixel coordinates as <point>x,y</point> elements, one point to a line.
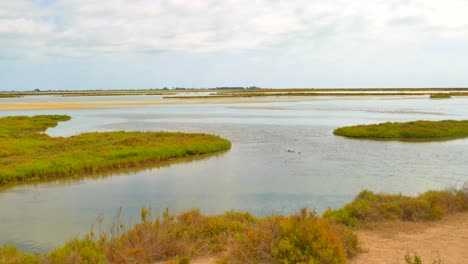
<point>119,44</point>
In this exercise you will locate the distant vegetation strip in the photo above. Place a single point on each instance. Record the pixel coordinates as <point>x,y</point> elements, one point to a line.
<point>441,96</point>
<point>238,237</point>
<point>8,95</point>
<point>417,130</point>
<point>273,94</point>
<point>240,92</point>
<point>27,153</point>
<point>88,93</point>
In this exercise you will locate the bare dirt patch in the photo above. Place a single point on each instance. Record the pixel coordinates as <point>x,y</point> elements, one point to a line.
<point>445,240</point>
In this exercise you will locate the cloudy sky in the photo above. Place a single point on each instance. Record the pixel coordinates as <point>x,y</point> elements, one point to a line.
<point>118,44</point>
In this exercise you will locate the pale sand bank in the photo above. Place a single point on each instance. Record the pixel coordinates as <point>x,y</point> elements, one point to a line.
<point>172,101</point>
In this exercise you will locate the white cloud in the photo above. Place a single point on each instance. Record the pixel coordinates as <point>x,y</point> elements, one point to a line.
<point>89,27</point>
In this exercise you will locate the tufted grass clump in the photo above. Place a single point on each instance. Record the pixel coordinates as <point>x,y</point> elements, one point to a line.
<point>415,130</point>
<point>27,153</point>
<point>369,207</point>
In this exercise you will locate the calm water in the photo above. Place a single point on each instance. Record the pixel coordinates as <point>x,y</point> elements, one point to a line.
<point>283,157</point>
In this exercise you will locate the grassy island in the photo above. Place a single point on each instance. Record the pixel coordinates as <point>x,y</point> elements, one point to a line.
<point>27,153</point>
<point>238,237</point>
<point>440,96</point>
<point>416,130</point>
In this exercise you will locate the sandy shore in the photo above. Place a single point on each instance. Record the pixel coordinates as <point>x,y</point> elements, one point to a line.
<point>170,101</point>
<point>445,240</point>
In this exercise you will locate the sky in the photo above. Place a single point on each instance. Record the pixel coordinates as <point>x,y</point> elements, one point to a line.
<point>138,44</point>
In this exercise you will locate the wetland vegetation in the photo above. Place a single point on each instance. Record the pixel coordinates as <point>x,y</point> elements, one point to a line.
<point>250,92</point>
<point>27,153</point>
<point>368,207</point>
<point>237,237</point>
<point>232,237</point>
<point>415,130</point>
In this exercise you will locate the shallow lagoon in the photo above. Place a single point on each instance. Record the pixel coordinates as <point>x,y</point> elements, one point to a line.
<point>263,172</point>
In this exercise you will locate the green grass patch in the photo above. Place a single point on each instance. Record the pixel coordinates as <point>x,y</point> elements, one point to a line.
<point>27,153</point>
<point>416,130</point>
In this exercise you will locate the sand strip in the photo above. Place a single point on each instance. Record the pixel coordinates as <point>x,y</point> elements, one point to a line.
<point>174,101</point>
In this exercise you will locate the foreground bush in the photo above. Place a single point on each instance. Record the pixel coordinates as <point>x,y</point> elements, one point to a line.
<point>301,238</point>
<point>26,153</point>
<point>235,237</point>
<point>422,130</point>
<point>369,207</point>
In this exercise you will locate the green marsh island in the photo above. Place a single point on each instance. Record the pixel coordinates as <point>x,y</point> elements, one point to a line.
<point>27,153</point>
<point>415,130</point>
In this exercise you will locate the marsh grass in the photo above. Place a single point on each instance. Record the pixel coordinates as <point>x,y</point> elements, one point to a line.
<point>11,255</point>
<point>239,237</point>
<point>415,130</point>
<point>291,94</point>
<point>27,153</point>
<point>368,207</point>
<point>89,93</point>
<point>8,96</point>
<point>234,237</point>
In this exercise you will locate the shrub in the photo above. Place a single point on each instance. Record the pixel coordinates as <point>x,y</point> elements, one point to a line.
<point>300,238</point>
<point>369,207</point>
<point>78,251</point>
<point>11,255</point>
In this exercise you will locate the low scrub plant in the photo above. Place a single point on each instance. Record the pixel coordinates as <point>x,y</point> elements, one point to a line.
<point>239,237</point>
<point>369,207</point>
<point>11,255</point>
<point>234,236</point>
